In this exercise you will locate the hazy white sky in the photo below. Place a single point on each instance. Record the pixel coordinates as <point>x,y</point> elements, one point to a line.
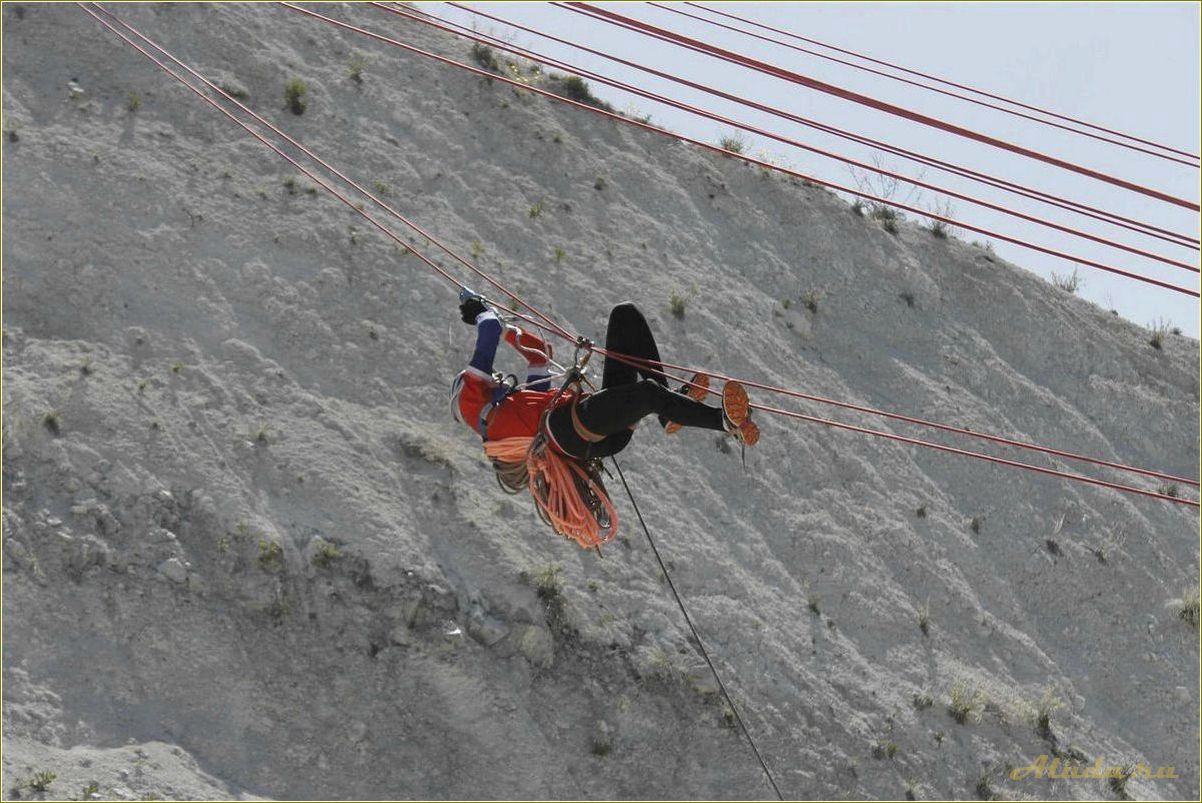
<point>1127,66</point>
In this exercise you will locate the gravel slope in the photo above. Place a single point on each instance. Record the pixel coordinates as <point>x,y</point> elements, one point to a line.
<point>240,375</point>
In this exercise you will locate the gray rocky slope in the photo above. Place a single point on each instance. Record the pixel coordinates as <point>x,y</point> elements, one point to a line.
<point>247,553</point>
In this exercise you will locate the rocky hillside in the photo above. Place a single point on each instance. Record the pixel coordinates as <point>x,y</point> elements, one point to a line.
<point>248,554</point>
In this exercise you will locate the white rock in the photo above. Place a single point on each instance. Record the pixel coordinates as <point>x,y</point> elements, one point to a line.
<point>174,570</point>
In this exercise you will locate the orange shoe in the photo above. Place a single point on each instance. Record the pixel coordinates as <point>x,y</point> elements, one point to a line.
<point>697,391</point>
<point>748,433</point>
<point>736,412</point>
<point>736,407</point>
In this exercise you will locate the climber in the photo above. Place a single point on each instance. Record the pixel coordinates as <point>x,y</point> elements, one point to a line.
<point>584,425</point>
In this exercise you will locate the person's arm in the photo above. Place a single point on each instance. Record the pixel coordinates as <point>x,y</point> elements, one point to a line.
<point>537,353</point>
<point>488,336</point>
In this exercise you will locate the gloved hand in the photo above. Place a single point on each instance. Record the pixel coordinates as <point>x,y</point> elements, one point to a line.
<point>470,308</point>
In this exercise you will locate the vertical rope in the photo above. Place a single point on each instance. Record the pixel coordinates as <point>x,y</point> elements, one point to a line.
<point>689,621</point>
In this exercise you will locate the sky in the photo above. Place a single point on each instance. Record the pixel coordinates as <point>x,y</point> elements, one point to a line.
<point>1131,67</point>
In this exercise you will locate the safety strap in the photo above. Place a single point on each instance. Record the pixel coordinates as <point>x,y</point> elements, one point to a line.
<point>584,432</point>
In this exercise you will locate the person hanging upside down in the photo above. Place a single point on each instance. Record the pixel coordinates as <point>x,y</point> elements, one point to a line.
<point>575,424</point>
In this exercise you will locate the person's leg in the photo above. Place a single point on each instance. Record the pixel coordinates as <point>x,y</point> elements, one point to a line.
<point>613,409</point>
<point>628,333</point>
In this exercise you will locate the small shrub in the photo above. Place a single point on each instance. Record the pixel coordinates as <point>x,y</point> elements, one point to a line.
<point>884,749</point>
<point>907,297</point>
<point>578,89</point>
<point>235,92</point>
<point>41,781</point>
<point>921,512</point>
<point>1118,783</point>
<point>1176,330</point>
<point>548,582</point>
<point>599,184</point>
<point>536,209</point>
<point>92,788</point>
<point>559,254</point>
<point>984,788</point>
<point>676,305</point>
<point>922,701</point>
<point>477,249</point>
<point>885,214</point>
<point>294,96</point>
<point>382,188</point>
<point>1159,328</point>
<point>600,749</point>
<point>262,434</point>
<point>354,70</point>
<point>975,524</point>
<point>812,602</point>
<point>1187,611</point>
<point>1069,282</point>
<point>177,366</point>
<point>1053,547</point>
<point>1049,703</point>
<point>86,368</point>
<point>12,135</point>
<point>857,207</point>
<point>734,144</point>
<point>291,185</point>
<point>809,300</point>
<point>965,703</point>
<point>924,618</point>
<point>53,422</point>
<point>484,56</point>
<point>943,229</point>
<point>133,102</point>
<point>325,555</point>
<point>271,556</point>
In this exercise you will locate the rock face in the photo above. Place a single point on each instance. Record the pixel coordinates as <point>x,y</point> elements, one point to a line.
<point>242,533</point>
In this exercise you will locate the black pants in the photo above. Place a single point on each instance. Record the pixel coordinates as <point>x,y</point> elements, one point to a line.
<point>628,394</point>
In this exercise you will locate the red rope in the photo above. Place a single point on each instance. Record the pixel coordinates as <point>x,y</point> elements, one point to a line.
<point>760,162</point>
<point>687,371</point>
<point>562,333</point>
<point>989,458</point>
<point>446,25</point>
<point>921,85</point>
<point>943,81</point>
<point>1111,218</point>
<point>663,34</point>
<point>558,330</point>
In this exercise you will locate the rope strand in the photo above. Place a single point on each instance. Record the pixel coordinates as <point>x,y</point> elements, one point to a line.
<point>944,81</point>
<point>1111,218</point>
<point>429,19</point>
<point>749,159</point>
<point>693,629</point>
<point>664,34</point>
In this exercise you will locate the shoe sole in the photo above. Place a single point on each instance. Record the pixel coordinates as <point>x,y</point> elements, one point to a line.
<point>697,391</point>
<point>749,433</point>
<point>735,403</point>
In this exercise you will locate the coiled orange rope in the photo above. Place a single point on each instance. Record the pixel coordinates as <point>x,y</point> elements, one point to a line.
<point>556,483</point>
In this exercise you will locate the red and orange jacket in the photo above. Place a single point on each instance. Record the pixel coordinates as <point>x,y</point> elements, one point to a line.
<point>480,401</point>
